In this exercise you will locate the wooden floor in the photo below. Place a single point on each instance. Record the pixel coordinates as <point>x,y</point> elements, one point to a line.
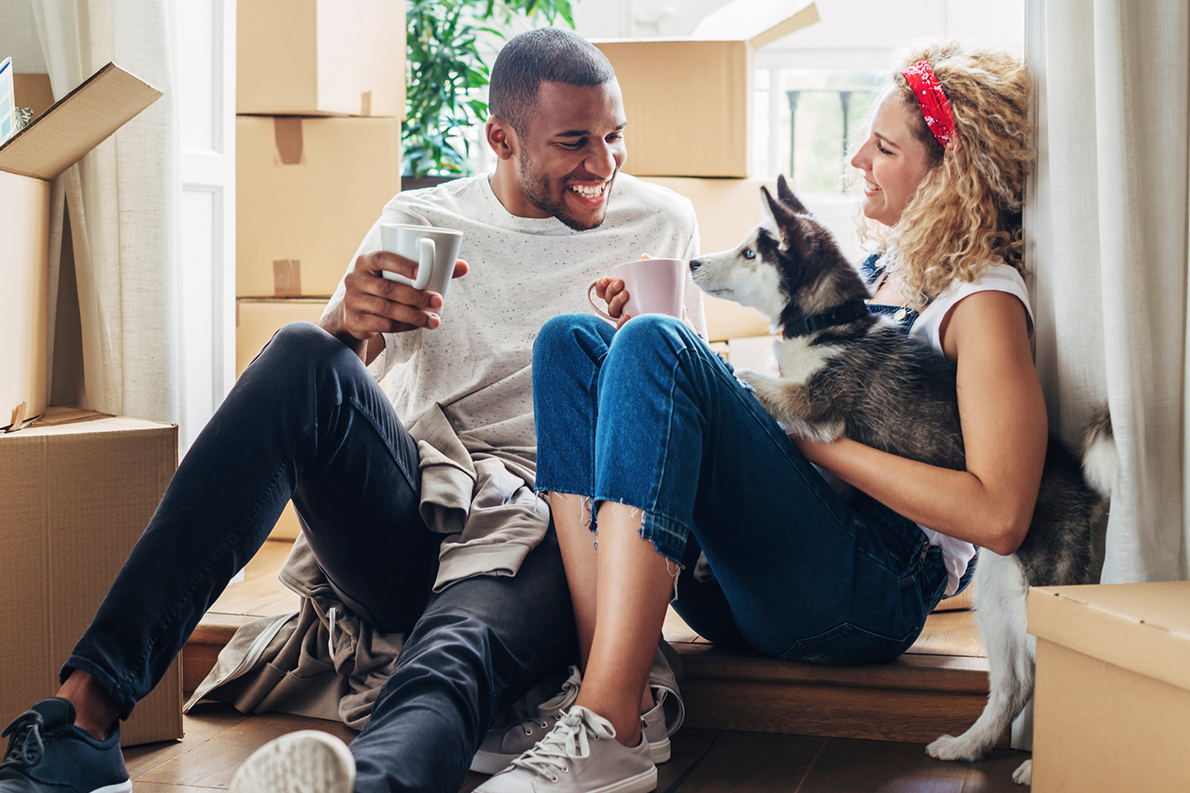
<point>706,758</point>
<point>218,739</point>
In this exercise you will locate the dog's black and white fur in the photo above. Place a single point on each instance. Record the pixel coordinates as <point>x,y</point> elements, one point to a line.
<point>849,373</point>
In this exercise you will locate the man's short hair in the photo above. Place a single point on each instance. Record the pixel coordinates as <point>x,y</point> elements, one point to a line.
<point>535,57</point>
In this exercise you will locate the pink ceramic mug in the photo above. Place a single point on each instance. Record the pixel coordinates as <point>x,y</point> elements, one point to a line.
<point>654,286</point>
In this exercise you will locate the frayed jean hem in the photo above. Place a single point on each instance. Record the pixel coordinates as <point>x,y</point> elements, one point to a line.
<point>667,535</point>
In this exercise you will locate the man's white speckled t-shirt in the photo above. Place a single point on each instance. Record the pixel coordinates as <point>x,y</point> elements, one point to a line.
<point>523,271</point>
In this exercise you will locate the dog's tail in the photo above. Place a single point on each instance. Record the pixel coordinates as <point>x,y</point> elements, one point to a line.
<point>1101,463</point>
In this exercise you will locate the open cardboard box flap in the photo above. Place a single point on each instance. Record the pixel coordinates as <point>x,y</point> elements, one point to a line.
<point>759,22</point>
<point>1141,627</point>
<point>82,120</point>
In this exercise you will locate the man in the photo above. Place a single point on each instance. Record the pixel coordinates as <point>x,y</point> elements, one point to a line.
<point>484,614</point>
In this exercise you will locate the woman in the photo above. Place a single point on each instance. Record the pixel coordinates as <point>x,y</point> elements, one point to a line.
<point>650,427</point>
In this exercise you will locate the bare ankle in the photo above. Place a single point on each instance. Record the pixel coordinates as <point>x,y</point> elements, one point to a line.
<point>646,701</point>
<point>625,721</point>
<point>95,710</point>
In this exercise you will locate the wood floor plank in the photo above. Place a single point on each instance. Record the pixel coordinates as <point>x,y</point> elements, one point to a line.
<point>214,763</point>
<point>688,748</point>
<point>950,633</point>
<point>993,774</point>
<point>847,765</point>
<point>260,593</point>
<point>943,673</point>
<point>200,726</point>
<point>156,787</point>
<point>741,761</point>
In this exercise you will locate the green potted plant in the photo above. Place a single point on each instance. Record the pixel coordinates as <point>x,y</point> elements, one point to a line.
<point>445,39</point>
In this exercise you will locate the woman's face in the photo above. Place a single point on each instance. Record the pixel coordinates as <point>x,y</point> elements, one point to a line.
<point>893,161</point>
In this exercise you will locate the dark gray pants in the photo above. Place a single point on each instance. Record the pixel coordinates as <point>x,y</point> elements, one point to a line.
<point>307,421</point>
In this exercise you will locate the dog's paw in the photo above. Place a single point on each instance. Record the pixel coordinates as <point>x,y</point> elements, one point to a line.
<point>1024,774</point>
<point>703,573</point>
<point>949,747</point>
<point>751,378</point>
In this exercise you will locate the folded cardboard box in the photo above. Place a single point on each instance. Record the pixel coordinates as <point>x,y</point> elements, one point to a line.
<point>307,191</point>
<point>256,322</point>
<point>1111,710</point>
<point>689,100</point>
<point>78,495</point>
<point>320,57</point>
<point>55,140</point>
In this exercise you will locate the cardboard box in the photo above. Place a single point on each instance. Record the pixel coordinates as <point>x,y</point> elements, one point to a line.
<point>320,57</point>
<point>33,91</point>
<point>28,161</point>
<point>1111,710</point>
<point>257,320</point>
<point>689,100</point>
<point>77,497</point>
<point>307,191</point>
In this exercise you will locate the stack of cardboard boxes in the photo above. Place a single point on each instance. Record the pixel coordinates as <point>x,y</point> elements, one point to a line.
<point>319,100</point>
<point>79,487</point>
<point>689,105</point>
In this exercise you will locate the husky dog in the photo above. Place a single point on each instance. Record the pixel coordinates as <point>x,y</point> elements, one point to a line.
<point>846,372</point>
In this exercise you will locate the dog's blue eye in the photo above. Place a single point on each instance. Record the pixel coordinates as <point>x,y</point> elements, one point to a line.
<point>749,253</point>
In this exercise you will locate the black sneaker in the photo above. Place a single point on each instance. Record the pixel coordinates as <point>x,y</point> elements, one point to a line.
<point>48,754</point>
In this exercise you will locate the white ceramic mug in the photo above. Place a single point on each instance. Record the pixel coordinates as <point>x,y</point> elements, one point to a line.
<point>435,250</point>
<point>654,286</point>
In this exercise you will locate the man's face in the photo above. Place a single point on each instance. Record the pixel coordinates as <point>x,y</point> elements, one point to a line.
<point>572,150</point>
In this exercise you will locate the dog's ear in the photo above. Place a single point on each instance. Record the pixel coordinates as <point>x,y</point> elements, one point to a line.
<point>788,198</point>
<point>776,212</point>
<point>784,223</point>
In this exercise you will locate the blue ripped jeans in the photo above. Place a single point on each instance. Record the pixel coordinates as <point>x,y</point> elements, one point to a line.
<point>649,416</point>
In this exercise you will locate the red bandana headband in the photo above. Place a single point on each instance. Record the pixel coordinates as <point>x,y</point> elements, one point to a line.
<point>935,108</point>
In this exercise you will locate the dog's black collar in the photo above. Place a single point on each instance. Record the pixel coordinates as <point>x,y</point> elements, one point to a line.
<point>848,312</point>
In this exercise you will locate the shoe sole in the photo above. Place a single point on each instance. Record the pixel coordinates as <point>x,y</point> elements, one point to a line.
<point>121,787</point>
<point>645,782</point>
<point>659,752</point>
<point>307,761</point>
<point>493,763</point>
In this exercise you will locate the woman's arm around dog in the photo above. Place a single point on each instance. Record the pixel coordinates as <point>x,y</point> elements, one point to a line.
<point>1003,418</point>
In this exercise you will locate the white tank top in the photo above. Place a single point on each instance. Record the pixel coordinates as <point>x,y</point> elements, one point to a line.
<point>997,278</point>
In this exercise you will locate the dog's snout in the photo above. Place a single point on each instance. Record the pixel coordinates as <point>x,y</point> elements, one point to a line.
<point>695,264</point>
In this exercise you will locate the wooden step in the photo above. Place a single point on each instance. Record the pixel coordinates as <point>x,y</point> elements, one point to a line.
<point>913,699</point>
<point>940,686</point>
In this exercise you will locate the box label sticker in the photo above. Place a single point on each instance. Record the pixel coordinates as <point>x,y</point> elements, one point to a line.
<point>7,102</point>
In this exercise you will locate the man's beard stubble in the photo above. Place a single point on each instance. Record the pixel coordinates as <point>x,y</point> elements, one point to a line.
<point>537,188</point>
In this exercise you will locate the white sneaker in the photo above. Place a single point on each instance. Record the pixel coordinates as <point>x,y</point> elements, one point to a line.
<point>653,726</point>
<point>503,745</point>
<point>308,761</point>
<point>579,755</point>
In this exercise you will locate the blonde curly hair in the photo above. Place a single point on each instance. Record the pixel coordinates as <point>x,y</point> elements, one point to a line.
<point>966,213</point>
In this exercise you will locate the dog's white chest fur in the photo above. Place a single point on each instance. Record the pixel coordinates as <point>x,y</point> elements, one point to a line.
<point>800,360</point>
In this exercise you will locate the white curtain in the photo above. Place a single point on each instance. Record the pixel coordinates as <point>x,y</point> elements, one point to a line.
<point>123,203</point>
<point>1108,222</point>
